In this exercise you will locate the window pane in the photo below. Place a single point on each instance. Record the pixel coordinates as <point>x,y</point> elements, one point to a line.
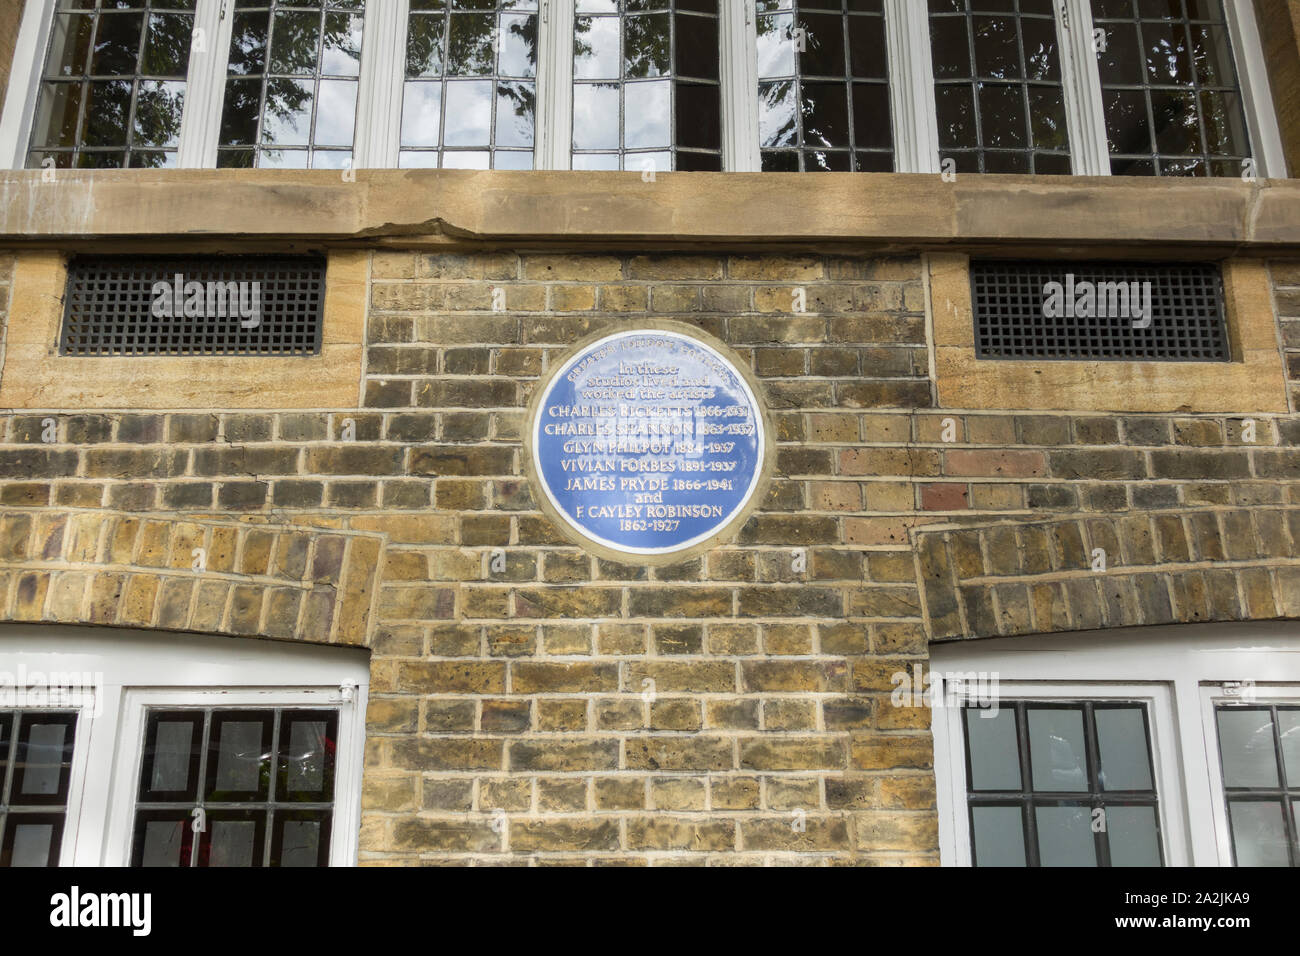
<point>1057,752</point>
<point>1122,742</point>
<point>1170,90</point>
<point>1133,836</point>
<point>470,83</point>
<point>646,85</point>
<point>1065,836</point>
<point>31,839</point>
<point>162,838</point>
<point>170,765</point>
<point>999,836</point>
<point>824,86</point>
<point>301,838</point>
<point>291,82</point>
<point>104,99</point>
<point>1246,744</point>
<point>993,749</point>
<point>1288,725</point>
<point>233,838</point>
<point>306,756</point>
<point>239,756</point>
<point>1259,835</point>
<point>42,759</point>
<point>998,87</point>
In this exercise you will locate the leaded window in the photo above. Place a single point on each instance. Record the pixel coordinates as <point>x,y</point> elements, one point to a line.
<point>823,87</point>
<point>942,86</point>
<point>236,788</point>
<point>999,97</point>
<point>291,87</point>
<point>646,85</point>
<point>1170,89</point>
<point>113,87</point>
<point>35,773</point>
<point>470,94</point>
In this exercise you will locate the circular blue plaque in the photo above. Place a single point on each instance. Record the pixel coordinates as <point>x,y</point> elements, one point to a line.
<point>648,442</point>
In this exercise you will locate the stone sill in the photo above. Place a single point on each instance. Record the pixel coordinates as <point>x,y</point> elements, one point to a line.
<point>450,208</point>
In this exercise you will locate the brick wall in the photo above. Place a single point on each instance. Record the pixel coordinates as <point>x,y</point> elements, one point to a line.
<point>1286,296</point>
<point>10,19</point>
<point>725,709</point>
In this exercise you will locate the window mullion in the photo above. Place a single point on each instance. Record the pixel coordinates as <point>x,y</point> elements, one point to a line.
<point>911,87</point>
<point>1252,79</point>
<point>379,89</point>
<point>30,50</point>
<point>738,75</point>
<point>205,85</point>
<point>554,124</point>
<point>1085,118</point>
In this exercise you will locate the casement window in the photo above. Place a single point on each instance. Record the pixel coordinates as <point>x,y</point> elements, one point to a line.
<point>823,87</point>
<point>112,90</point>
<point>645,85</point>
<point>106,758</point>
<point>1166,747</point>
<point>35,777</point>
<point>291,84</point>
<point>1091,87</point>
<point>469,97</point>
<point>998,86</point>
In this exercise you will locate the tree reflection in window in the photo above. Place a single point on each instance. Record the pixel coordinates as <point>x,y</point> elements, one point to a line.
<point>645,90</point>
<point>291,87</point>
<point>1169,89</point>
<point>997,85</point>
<point>470,95</point>
<point>823,86</point>
<point>114,84</point>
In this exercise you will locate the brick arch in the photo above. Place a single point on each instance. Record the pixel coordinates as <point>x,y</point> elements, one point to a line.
<point>175,573</point>
<point>1179,566</point>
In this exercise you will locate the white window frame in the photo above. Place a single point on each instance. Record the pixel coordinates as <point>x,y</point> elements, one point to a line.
<point>1156,698</point>
<point>913,113</point>
<point>84,701</point>
<point>1213,695</point>
<point>1180,670</point>
<point>142,669</point>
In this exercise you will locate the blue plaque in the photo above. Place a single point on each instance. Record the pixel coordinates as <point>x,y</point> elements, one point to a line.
<point>648,442</point>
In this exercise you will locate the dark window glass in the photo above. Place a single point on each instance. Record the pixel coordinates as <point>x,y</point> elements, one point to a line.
<point>1169,87</point>
<point>291,86</point>
<point>823,86</point>
<point>35,774</point>
<point>998,90</point>
<point>1259,749</point>
<point>113,88</point>
<point>645,85</point>
<point>260,781</point>
<point>1061,784</point>
<point>470,95</point>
